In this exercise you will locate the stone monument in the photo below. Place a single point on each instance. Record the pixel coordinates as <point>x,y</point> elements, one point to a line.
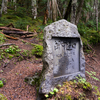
<point>63,57</point>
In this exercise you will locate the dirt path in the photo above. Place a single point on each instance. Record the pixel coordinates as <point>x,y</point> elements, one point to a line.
<point>15,72</point>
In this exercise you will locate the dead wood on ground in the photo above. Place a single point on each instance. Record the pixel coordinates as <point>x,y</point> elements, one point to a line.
<point>8,44</point>
<point>10,25</point>
<point>10,37</point>
<point>10,29</point>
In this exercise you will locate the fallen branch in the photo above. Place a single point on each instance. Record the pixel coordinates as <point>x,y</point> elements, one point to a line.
<point>10,25</point>
<point>17,32</point>
<point>10,37</point>
<point>6,45</point>
<point>10,29</point>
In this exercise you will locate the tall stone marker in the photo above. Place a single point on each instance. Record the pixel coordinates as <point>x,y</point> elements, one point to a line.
<point>63,57</point>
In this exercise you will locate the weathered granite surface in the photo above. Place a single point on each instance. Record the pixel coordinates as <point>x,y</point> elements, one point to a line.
<point>63,57</point>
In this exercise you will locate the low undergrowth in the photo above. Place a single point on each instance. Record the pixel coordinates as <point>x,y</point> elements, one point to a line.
<point>89,34</point>
<point>78,89</point>
<point>12,51</point>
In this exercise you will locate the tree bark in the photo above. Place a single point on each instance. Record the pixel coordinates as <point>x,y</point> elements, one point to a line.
<point>73,11</point>
<point>96,13</point>
<point>68,11</point>
<point>64,9</point>
<point>49,9</point>
<point>4,6</point>
<point>79,11</point>
<point>54,10</point>
<point>34,9</point>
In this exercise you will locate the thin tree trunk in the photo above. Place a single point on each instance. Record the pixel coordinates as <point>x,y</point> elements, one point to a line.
<point>73,11</point>
<point>4,6</point>
<point>54,10</point>
<point>79,11</point>
<point>49,9</point>
<point>58,10</point>
<point>64,9</point>
<point>68,11</point>
<point>34,9</point>
<point>96,13</point>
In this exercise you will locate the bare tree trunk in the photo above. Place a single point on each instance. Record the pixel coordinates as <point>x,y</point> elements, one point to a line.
<point>73,11</point>
<point>49,9</point>
<point>96,13</point>
<point>64,9</point>
<point>34,9</point>
<point>79,11</point>
<point>68,11</point>
<point>4,6</point>
<point>54,10</point>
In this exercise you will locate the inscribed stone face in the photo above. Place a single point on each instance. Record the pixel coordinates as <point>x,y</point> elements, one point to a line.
<point>65,52</point>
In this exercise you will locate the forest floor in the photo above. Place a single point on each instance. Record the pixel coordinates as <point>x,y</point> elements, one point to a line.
<point>15,71</point>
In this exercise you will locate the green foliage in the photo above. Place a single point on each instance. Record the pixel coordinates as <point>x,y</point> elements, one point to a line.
<point>2,38</point>
<point>20,12</point>
<point>97,91</point>
<point>88,33</point>
<point>68,97</point>
<point>2,97</point>
<point>84,84</point>
<point>51,92</point>
<point>92,75</point>
<point>37,50</point>
<point>1,84</point>
<point>98,98</point>
<point>12,49</point>
<point>21,23</point>
<point>4,21</point>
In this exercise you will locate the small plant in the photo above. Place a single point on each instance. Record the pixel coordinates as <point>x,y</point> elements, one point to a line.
<point>83,83</point>
<point>51,93</point>
<point>2,38</point>
<point>25,52</point>
<point>97,91</point>
<point>1,84</point>
<point>92,75</point>
<point>2,97</point>
<point>12,49</point>
<point>37,50</point>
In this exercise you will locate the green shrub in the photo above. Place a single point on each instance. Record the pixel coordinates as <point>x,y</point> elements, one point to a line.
<point>4,21</point>
<point>37,50</point>
<point>1,84</point>
<point>84,84</point>
<point>21,12</point>
<point>12,49</point>
<point>22,23</point>
<point>2,97</point>
<point>2,38</point>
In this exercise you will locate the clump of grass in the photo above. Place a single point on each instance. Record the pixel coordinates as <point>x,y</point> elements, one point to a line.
<point>37,50</point>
